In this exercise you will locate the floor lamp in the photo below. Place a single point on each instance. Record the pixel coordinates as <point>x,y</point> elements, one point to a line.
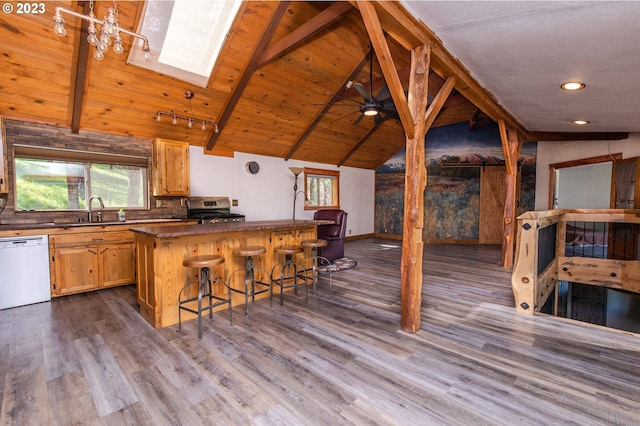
<point>296,171</point>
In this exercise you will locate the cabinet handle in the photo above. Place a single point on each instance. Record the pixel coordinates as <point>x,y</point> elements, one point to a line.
<point>107,248</point>
<point>97,239</point>
<point>91,251</point>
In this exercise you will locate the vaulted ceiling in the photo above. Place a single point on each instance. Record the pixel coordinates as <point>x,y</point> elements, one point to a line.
<point>281,64</point>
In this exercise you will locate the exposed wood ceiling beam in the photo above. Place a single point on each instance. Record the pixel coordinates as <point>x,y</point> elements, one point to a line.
<point>326,108</point>
<point>330,15</point>
<point>571,136</point>
<point>410,32</point>
<point>362,140</point>
<point>505,145</point>
<point>438,102</point>
<point>376,34</point>
<point>377,83</point>
<point>479,120</point>
<point>401,26</point>
<point>246,74</point>
<point>81,59</point>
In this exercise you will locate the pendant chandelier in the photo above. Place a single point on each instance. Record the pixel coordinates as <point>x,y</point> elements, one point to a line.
<point>109,29</point>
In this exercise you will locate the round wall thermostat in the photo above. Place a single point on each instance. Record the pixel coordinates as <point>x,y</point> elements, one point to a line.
<point>252,167</point>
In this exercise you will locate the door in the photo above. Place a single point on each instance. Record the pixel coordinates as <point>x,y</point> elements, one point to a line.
<point>492,198</point>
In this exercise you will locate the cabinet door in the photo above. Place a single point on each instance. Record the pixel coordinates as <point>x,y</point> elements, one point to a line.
<point>76,270</point>
<point>117,264</point>
<point>4,184</point>
<point>170,168</point>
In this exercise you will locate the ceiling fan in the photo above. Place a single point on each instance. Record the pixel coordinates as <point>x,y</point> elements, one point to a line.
<point>380,107</point>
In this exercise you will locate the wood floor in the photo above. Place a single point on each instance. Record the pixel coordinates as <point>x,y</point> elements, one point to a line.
<point>338,359</point>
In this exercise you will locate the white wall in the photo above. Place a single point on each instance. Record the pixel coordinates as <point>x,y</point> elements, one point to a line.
<point>558,152</point>
<point>268,195</point>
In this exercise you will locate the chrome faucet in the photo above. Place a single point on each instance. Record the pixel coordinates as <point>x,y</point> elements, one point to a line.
<point>99,218</point>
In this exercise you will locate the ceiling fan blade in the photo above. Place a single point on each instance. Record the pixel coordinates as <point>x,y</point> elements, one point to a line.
<point>384,93</point>
<point>361,90</point>
<point>378,119</point>
<point>359,119</point>
<point>343,116</point>
<point>338,111</point>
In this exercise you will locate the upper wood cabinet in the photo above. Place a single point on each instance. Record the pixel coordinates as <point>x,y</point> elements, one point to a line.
<point>170,168</point>
<point>4,184</point>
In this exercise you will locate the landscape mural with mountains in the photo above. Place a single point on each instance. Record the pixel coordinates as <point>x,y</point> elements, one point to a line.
<point>454,156</point>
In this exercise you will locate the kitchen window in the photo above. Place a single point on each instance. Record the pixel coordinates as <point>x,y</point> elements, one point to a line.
<point>321,188</point>
<point>61,179</point>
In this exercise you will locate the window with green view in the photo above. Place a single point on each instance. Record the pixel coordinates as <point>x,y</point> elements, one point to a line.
<point>44,184</point>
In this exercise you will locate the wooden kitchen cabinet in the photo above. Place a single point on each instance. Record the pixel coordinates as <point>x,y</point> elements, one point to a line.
<point>90,261</point>
<point>170,168</point>
<point>4,179</point>
<point>76,270</point>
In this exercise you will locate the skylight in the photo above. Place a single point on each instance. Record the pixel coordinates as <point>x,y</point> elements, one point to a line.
<point>185,36</point>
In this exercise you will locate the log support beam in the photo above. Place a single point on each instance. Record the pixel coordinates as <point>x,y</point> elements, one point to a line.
<point>415,183</point>
<point>511,147</point>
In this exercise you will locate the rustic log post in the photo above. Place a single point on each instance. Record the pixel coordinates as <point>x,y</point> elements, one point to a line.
<point>525,272</point>
<point>415,183</point>
<point>511,148</point>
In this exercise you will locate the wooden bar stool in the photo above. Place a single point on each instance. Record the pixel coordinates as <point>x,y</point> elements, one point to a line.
<point>205,290</point>
<point>250,282</point>
<point>316,260</point>
<point>291,272</point>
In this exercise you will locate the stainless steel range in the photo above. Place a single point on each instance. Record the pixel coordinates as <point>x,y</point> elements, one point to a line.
<point>211,210</point>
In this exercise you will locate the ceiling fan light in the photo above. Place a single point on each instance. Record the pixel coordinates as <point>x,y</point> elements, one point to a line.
<point>370,112</point>
<point>580,122</point>
<point>572,86</point>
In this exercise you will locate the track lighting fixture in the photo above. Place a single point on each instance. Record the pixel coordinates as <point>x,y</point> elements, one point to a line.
<point>175,117</point>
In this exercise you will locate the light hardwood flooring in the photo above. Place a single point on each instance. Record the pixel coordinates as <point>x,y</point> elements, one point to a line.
<point>340,358</point>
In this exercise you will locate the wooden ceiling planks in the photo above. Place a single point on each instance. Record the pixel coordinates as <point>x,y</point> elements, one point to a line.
<point>316,45</point>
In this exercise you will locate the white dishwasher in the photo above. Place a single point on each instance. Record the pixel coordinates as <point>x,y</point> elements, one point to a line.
<point>24,271</point>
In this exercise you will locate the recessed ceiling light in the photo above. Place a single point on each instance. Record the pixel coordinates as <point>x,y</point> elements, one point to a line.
<point>580,122</point>
<point>572,86</point>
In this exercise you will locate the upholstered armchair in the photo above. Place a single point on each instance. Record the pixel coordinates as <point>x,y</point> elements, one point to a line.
<point>334,234</point>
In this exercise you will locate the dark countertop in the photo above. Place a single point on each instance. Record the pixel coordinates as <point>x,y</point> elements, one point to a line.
<point>159,231</point>
<point>48,225</point>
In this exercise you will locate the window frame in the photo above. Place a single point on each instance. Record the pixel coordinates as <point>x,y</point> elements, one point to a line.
<point>333,174</point>
<point>86,159</point>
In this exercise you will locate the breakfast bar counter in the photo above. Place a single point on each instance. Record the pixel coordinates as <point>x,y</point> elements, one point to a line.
<point>160,251</point>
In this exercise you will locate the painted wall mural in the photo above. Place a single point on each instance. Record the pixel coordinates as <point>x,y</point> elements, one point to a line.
<point>454,156</point>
